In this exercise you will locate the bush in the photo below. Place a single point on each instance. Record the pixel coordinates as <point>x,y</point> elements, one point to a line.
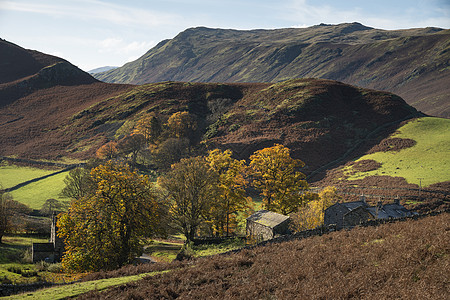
<point>29,273</point>
<point>42,266</point>
<point>27,256</point>
<point>186,252</point>
<point>55,268</point>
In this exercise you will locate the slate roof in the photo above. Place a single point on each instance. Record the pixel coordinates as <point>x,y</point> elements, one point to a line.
<point>392,210</point>
<point>267,218</point>
<point>353,205</point>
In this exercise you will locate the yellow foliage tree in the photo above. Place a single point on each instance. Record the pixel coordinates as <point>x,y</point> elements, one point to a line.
<point>231,197</point>
<point>312,214</point>
<point>107,151</point>
<point>181,124</point>
<point>275,175</point>
<point>104,230</point>
<point>150,127</point>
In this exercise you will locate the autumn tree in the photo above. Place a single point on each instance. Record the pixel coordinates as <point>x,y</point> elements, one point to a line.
<point>275,175</point>
<point>107,151</point>
<point>104,229</point>
<point>231,197</point>
<point>131,146</point>
<point>181,124</point>
<point>171,151</point>
<point>311,214</point>
<point>150,127</point>
<point>190,189</point>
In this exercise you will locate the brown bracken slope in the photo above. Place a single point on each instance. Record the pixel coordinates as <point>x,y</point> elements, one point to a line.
<point>318,119</point>
<point>405,260</point>
<point>37,93</point>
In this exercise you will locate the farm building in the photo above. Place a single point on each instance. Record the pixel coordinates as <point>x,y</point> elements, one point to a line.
<point>265,225</point>
<point>51,251</point>
<point>349,214</point>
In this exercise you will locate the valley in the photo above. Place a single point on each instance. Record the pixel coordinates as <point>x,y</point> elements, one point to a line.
<point>358,110</point>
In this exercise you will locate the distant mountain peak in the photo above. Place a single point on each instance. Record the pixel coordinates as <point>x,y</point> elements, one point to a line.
<point>406,62</point>
<point>102,69</point>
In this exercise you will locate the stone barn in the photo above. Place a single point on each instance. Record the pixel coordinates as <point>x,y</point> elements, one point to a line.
<point>51,251</point>
<point>350,214</point>
<point>265,225</point>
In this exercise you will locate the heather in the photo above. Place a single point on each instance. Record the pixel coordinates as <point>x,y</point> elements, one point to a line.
<point>407,260</point>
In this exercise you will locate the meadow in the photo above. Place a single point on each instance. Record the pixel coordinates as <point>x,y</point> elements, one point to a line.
<point>426,163</point>
<point>11,175</point>
<point>36,193</point>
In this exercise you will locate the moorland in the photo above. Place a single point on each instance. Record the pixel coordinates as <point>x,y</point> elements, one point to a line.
<point>350,135</point>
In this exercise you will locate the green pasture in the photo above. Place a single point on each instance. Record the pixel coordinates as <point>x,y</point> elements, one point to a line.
<point>13,256</point>
<point>76,289</point>
<point>428,161</point>
<point>11,175</point>
<point>164,251</point>
<point>35,194</point>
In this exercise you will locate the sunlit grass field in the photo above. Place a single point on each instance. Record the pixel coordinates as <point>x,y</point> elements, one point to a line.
<point>427,162</point>
<point>76,289</point>
<point>35,194</point>
<point>10,175</point>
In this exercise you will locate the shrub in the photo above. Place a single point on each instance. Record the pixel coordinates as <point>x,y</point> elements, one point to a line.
<point>27,256</point>
<point>55,268</point>
<point>42,266</point>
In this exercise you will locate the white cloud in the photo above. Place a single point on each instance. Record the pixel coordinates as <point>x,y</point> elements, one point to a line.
<point>310,14</point>
<point>94,10</point>
<point>306,14</point>
<point>119,46</point>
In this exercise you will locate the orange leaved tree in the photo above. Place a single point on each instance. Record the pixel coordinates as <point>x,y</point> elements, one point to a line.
<point>181,124</point>
<point>311,215</point>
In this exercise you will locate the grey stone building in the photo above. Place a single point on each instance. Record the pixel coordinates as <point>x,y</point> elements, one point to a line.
<point>349,214</point>
<point>51,251</point>
<point>265,225</point>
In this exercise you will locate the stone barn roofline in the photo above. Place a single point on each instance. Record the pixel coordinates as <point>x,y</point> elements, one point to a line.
<point>267,218</point>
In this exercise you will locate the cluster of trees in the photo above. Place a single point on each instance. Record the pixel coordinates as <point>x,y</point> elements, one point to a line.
<point>115,208</point>
<point>154,141</point>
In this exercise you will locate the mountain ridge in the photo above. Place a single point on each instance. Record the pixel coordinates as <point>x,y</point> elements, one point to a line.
<point>412,62</point>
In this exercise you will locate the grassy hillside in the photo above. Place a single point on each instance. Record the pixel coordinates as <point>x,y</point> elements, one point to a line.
<point>11,175</point>
<point>406,260</point>
<point>412,63</point>
<point>35,194</point>
<point>428,158</point>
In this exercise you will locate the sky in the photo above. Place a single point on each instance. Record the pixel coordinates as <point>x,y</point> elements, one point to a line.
<point>97,33</point>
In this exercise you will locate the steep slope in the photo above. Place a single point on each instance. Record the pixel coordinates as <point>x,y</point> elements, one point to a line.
<point>412,63</point>
<point>23,71</point>
<point>37,92</point>
<point>319,119</point>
